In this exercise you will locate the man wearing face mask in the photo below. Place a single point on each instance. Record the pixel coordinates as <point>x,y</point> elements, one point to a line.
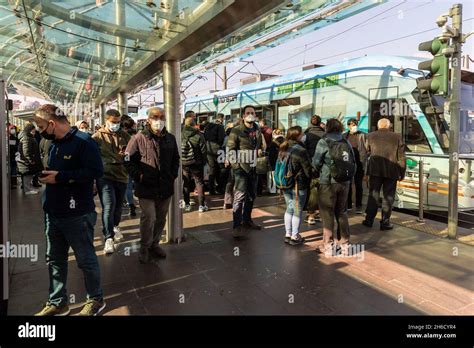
<point>68,202</point>
<point>358,140</point>
<point>152,160</point>
<point>244,143</point>
<point>112,186</point>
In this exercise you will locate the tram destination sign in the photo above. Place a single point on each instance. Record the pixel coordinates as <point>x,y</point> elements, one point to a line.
<point>322,82</point>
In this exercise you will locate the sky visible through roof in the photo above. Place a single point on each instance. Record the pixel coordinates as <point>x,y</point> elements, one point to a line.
<point>372,32</point>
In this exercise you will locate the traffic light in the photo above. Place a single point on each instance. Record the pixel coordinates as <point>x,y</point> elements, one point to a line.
<point>438,68</point>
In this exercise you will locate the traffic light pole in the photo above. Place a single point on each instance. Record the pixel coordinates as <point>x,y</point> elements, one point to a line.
<point>455,110</point>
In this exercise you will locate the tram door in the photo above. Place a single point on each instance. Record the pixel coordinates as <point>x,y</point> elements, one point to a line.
<point>393,109</point>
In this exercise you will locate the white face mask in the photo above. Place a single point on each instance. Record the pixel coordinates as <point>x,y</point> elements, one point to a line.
<point>250,118</point>
<point>354,129</point>
<point>157,125</point>
<point>113,126</point>
<point>83,130</point>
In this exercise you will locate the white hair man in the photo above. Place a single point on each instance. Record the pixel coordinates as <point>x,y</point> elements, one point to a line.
<point>386,166</point>
<point>153,163</point>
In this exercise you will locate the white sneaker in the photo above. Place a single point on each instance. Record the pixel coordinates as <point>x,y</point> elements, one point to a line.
<point>187,207</point>
<point>109,246</point>
<point>31,192</point>
<point>117,234</point>
<point>203,208</point>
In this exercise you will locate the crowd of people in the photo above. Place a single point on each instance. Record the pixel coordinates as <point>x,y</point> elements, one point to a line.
<point>313,169</point>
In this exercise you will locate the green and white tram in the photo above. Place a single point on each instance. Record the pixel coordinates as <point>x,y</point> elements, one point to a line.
<point>367,89</point>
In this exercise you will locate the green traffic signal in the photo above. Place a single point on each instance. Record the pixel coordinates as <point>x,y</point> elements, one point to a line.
<point>438,67</point>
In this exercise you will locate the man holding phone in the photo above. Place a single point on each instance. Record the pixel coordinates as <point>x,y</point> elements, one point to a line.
<point>68,202</point>
<point>112,186</point>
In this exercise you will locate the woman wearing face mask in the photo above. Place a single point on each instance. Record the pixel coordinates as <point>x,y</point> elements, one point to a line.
<point>302,171</point>
<point>82,126</point>
<point>357,139</point>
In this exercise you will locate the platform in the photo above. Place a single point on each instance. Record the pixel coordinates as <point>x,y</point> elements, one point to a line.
<point>400,272</point>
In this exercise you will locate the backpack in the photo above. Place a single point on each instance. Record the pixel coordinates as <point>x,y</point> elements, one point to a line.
<point>342,166</point>
<point>187,152</point>
<point>284,176</point>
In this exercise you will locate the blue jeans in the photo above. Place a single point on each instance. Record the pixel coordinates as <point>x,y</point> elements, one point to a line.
<point>78,233</point>
<point>111,194</point>
<point>294,210</point>
<point>245,192</point>
<point>129,193</point>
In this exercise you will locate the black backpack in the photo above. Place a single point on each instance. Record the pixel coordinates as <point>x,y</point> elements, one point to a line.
<point>187,152</point>
<point>343,166</point>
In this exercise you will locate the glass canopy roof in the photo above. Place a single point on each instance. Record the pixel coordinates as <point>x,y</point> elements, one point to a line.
<point>83,51</point>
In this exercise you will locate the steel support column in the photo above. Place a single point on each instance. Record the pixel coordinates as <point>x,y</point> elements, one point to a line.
<point>122,103</point>
<point>171,97</point>
<point>102,113</point>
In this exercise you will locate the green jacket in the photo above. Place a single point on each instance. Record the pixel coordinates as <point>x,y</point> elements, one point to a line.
<point>110,145</point>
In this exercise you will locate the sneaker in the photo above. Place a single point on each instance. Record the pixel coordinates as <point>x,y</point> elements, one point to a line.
<point>311,221</point>
<point>92,308</point>
<point>359,211</point>
<point>109,247</point>
<point>50,310</point>
<point>317,218</point>
<point>118,236</point>
<point>251,225</point>
<point>157,252</point>
<point>187,207</point>
<point>32,192</point>
<point>297,241</point>
<point>144,255</point>
<point>287,239</point>
<point>203,208</point>
<point>386,227</point>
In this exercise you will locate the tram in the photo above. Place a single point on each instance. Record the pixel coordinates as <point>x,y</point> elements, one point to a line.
<point>366,88</point>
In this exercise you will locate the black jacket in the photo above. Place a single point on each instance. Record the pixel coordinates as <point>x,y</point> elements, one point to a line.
<point>214,135</point>
<point>274,149</point>
<point>198,143</point>
<point>77,159</point>
<point>29,161</point>
<point>386,154</point>
<point>157,159</point>
<point>313,135</point>
<point>243,138</point>
<point>301,164</point>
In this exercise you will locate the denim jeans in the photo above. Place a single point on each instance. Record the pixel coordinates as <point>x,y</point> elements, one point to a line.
<point>78,233</point>
<point>111,194</point>
<point>245,192</point>
<point>294,210</point>
<point>129,193</point>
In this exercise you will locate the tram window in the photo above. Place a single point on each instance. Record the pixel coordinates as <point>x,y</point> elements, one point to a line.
<point>414,136</point>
